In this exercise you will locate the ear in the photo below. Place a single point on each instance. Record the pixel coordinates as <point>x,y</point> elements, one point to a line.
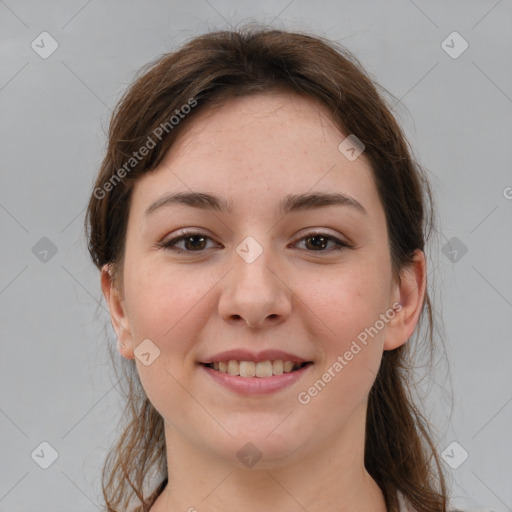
<point>410,294</point>
<point>118,316</point>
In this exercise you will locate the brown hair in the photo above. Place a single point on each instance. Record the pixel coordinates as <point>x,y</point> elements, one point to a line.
<point>400,452</point>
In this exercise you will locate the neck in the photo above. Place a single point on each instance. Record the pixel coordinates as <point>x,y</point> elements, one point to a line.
<point>327,477</point>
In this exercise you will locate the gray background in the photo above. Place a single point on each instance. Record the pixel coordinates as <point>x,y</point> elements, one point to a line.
<point>56,381</point>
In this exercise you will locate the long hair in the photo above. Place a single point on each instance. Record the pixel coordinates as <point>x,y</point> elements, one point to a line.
<point>400,450</point>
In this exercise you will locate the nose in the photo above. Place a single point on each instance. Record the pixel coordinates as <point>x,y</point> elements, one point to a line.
<point>255,292</point>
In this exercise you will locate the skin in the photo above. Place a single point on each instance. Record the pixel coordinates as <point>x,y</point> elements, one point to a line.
<point>311,302</point>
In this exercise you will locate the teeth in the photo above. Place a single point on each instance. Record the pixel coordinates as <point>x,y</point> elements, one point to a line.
<point>264,369</point>
<point>247,368</point>
<point>251,369</point>
<point>277,367</point>
<point>233,368</point>
<point>287,366</point>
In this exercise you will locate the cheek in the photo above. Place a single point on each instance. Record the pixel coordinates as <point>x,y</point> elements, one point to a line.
<point>161,301</point>
<point>346,302</point>
<point>348,330</point>
<point>169,308</point>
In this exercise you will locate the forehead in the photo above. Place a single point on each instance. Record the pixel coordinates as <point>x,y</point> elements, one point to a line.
<point>257,149</point>
<point>283,121</point>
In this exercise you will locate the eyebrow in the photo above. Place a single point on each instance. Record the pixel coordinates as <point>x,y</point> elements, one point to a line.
<point>290,203</point>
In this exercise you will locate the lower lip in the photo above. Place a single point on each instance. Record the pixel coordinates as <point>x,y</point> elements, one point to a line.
<point>256,385</point>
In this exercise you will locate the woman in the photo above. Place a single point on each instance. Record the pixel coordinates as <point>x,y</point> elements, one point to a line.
<point>260,228</point>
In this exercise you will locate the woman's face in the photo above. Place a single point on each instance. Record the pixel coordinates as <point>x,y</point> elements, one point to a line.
<point>308,283</point>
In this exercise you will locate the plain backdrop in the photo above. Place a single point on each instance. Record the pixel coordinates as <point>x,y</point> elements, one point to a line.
<point>56,94</point>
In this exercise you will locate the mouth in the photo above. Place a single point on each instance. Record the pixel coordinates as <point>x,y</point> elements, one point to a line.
<point>260,369</point>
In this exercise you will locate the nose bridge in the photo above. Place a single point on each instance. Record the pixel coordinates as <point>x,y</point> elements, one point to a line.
<point>254,290</point>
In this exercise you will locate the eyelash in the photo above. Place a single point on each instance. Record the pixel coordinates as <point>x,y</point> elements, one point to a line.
<point>170,244</point>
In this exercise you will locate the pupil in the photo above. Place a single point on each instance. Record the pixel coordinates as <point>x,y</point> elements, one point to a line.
<point>194,237</point>
<point>320,244</point>
<point>321,241</point>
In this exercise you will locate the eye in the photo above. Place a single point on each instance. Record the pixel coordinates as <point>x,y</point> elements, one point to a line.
<point>193,242</point>
<point>319,241</point>
<point>196,242</point>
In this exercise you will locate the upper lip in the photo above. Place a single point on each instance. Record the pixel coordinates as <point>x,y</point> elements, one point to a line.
<point>246,355</point>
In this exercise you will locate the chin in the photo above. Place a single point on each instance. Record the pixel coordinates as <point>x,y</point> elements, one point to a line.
<point>258,448</point>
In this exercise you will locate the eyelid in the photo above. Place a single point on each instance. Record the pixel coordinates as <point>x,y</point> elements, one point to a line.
<point>183,234</point>
<point>323,231</point>
<point>340,243</point>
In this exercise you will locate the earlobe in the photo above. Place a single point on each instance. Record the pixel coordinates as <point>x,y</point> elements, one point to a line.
<point>411,294</point>
<point>118,317</point>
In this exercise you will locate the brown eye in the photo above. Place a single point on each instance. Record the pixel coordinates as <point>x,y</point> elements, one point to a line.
<point>197,242</point>
<point>317,242</point>
<point>192,242</point>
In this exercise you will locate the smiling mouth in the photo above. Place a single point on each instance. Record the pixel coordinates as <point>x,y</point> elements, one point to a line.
<point>259,369</point>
